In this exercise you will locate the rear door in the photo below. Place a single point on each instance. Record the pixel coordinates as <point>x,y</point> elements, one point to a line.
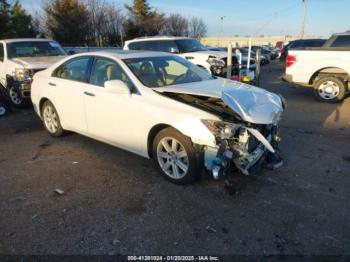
<point>67,87</point>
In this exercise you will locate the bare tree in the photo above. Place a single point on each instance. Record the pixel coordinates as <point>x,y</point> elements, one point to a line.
<point>176,25</point>
<point>197,27</point>
<point>106,22</point>
<point>40,25</point>
<point>113,25</point>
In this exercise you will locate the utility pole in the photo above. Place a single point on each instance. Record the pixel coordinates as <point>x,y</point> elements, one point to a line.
<point>304,20</point>
<point>221,30</point>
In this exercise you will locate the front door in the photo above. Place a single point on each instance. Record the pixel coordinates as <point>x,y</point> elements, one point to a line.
<point>111,117</point>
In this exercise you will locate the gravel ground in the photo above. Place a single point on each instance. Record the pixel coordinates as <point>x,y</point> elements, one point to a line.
<point>115,202</point>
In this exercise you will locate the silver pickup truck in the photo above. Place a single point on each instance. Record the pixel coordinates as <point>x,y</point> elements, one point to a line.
<point>20,59</point>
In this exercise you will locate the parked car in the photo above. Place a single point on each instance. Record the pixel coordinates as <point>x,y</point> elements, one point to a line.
<point>214,62</point>
<point>274,52</point>
<point>300,44</point>
<point>235,62</point>
<point>163,107</point>
<point>265,52</point>
<point>20,59</point>
<point>263,59</point>
<point>326,68</point>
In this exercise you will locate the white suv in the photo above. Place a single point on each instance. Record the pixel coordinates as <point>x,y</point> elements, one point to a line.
<point>214,62</point>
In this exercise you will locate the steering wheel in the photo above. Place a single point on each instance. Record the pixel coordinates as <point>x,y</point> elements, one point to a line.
<point>180,79</point>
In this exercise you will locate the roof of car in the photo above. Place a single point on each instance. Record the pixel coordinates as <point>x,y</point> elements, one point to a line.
<point>16,40</point>
<point>310,39</point>
<point>343,33</point>
<point>148,38</point>
<point>125,54</point>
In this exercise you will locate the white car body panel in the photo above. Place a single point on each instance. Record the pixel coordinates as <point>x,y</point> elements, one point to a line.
<point>126,120</point>
<point>308,62</point>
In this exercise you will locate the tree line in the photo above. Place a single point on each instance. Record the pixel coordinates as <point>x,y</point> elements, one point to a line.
<point>94,22</point>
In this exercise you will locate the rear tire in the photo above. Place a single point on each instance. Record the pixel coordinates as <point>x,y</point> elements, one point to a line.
<point>330,89</point>
<point>175,157</point>
<point>51,119</point>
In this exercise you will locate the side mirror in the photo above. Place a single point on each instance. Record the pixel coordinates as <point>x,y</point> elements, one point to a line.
<point>174,50</point>
<point>71,52</point>
<point>117,87</point>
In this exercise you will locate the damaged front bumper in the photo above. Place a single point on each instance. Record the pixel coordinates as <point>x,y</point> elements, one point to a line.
<point>247,148</point>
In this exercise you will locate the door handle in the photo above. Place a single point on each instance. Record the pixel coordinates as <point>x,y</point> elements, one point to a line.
<point>52,84</point>
<point>88,93</point>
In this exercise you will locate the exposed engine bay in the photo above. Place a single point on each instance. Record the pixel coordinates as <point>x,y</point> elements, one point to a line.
<point>248,146</point>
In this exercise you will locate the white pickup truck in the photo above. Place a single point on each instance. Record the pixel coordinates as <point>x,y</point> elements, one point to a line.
<point>20,59</point>
<point>326,68</point>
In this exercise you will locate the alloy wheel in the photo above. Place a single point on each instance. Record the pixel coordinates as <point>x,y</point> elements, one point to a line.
<point>172,157</point>
<point>50,119</point>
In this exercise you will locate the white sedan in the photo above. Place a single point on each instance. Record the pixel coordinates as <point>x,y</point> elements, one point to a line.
<point>163,107</point>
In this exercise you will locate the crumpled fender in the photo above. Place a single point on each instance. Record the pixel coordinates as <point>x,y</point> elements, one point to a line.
<point>261,138</point>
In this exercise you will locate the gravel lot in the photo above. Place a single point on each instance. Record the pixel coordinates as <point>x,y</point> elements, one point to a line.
<point>115,202</point>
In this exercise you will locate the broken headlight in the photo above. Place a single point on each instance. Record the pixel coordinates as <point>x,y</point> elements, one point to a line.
<point>221,129</point>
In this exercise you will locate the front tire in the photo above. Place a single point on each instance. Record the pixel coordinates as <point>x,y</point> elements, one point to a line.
<point>51,119</point>
<point>15,98</point>
<point>175,157</point>
<point>3,109</point>
<point>330,89</point>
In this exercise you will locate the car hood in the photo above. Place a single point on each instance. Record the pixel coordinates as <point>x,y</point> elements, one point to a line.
<point>252,104</point>
<point>40,62</point>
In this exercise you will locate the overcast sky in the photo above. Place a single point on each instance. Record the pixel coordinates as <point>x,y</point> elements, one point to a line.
<point>253,17</point>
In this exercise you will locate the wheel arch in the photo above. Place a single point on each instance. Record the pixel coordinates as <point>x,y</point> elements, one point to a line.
<point>329,71</point>
<point>151,136</point>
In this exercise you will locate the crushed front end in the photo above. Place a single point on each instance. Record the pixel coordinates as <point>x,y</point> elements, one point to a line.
<point>247,134</point>
<point>245,147</point>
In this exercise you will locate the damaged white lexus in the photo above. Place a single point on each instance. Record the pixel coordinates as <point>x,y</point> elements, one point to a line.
<point>163,107</point>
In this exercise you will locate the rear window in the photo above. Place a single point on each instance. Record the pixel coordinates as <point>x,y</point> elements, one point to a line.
<point>307,43</point>
<point>342,41</point>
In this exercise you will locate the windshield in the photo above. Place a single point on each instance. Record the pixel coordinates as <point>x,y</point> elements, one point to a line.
<point>166,70</point>
<point>190,45</point>
<point>34,49</point>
